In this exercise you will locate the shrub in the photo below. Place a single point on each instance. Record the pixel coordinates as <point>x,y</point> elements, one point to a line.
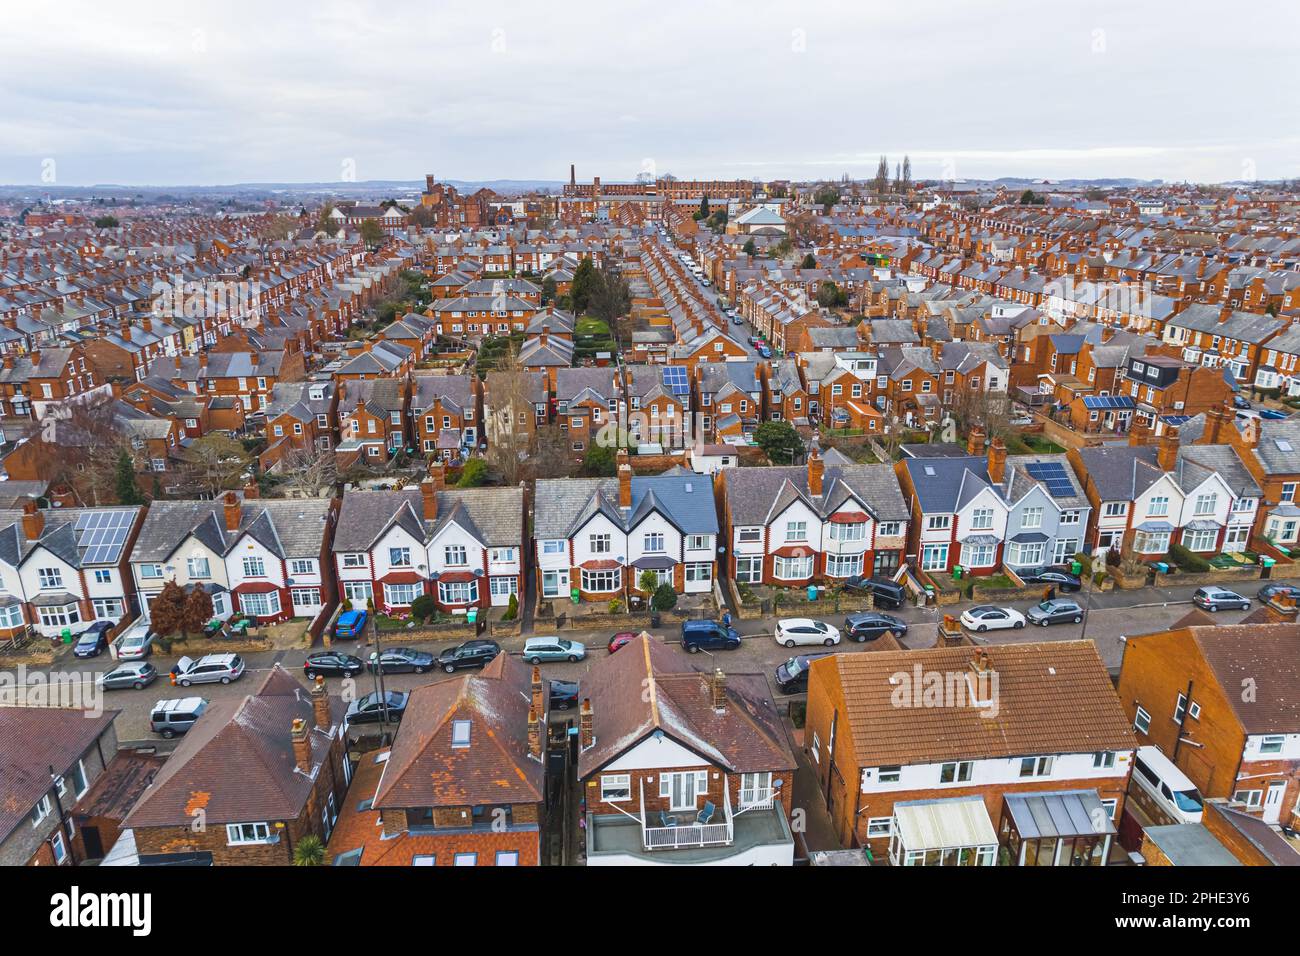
<point>1187,560</point>
<point>423,608</point>
<point>615,606</point>
<point>664,598</point>
<point>512,609</point>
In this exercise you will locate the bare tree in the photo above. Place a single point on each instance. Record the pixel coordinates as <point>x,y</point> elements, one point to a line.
<point>308,473</point>
<point>552,458</point>
<point>218,462</point>
<point>509,413</point>
<point>978,407</point>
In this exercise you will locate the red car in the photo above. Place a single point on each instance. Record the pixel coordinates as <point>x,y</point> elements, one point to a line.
<point>619,639</point>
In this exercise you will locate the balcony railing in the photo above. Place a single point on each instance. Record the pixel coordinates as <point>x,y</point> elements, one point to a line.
<point>756,797</point>
<point>690,834</point>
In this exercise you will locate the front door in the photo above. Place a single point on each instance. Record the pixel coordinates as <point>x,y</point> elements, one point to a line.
<point>1273,801</point>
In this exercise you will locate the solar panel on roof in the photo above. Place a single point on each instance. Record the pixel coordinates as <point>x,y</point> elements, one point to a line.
<point>675,379</point>
<point>1053,475</point>
<point>102,534</point>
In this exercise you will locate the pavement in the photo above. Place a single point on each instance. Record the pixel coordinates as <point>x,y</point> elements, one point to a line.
<point>1110,616</point>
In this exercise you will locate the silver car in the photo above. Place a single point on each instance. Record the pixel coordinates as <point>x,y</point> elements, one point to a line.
<point>134,674</point>
<point>209,669</point>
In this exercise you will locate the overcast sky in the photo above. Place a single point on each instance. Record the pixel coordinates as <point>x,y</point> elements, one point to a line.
<point>211,93</point>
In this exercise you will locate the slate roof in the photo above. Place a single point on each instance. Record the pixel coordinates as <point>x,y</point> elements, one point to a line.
<point>456,391</point>
<point>493,515</point>
<point>1053,697</point>
<point>1121,472</point>
<point>756,495</point>
<point>287,527</point>
<point>648,686</point>
<point>562,504</point>
<point>237,761</point>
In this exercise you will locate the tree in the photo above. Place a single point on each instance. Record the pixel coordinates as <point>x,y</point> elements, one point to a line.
<point>980,408</point>
<point>610,296</point>
<point>703,212</point>
<point>424,607</point>
<point>665,598</point>
<point>1030,198</point>
<point>585,279</point>
<point>748,248</point>
<point>826,197</point>
<point>599,462</point>
<point>548,290</point>
<point>106,222</point>
<point>197,610</point>
<point>473,474</point>
<point>510,389</point>
<point>309,851</point>
<point>308,473</point>
<point>278,227</point>
<point>907,175</point>
<point>219,462</point>
<point>831,296</point>
<point>167,611</point>
<point>779,441</point>
<point>128,493</point>
<point>372,234</point>
<point>552,459</point>
<point>648,581</point>
<point>882,176</point>
<point>809,262</point>
<point>323,221</point>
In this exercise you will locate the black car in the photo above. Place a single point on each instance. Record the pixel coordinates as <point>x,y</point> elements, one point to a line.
<point>369,709</point>
<point>401,660</point>
<point>884,592</point>
<point>869,625</point>
<point>332,664</point>
<point>1239,402</point>
<point>564,694</point>
<point>469,654</point>
<point>1268,590</point>
<point>792,676</point>
<point>93,640</point>
<point>1059,576</point>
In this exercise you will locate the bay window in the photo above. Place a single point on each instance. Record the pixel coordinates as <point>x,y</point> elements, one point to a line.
<point>458,592</point>
<point>792,569</point>
<point>596,582</point>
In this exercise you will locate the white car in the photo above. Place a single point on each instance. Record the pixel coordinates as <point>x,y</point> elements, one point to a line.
<point>802,630</point>
<point>986,617</point>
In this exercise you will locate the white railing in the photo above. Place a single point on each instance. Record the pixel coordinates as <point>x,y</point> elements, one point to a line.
<point>688,834</point>
<point>756,797</point>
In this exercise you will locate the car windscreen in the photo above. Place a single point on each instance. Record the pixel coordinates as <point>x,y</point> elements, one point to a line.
<point>794,667</point>
<point>1187,800</point>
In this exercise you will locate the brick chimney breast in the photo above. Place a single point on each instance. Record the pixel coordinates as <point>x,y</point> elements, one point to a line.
<point>997,461</point>
<point>33,521</point>
<point>231,507</point>
<point>1167,452</point>
<point>816,471</point>
<point>320,704</point>
<point>586,727</point>
<point>975,441</point>
<point>624,479</point>
<point>298,734</point>
<point>534,734</point>
<point>538,691</point>
<point>718,687</point>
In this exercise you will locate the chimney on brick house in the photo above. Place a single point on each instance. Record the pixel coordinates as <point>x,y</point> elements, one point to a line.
<point>1250,433</point>
<point>1282,606</point>
<point>1215,420</point>
<point>975,441</point>
<point>35,356</point>
<point>8,360</point>
<point>1167,453</point>
<point>816,471</point>
<point>429,497</point>
<point>63,497</point>
<point>950,632</point>
<point>538,692</point>
<point>980,661</point>
<point>230,505</point>
<point>543,338</point>
<point>586,729</point>
<point>997,465</point>
<point>301,745</point>
<point>1137,434</point>
<point>534,734</point>
<point>33,521</point>
<point>251,491</point>
<point>320,704</point>
<point>125,331</point>
<point>718,688</point>
<point>624,479</point>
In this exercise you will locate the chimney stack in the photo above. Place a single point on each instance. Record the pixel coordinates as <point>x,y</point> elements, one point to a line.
<point>816,470</point>
<point>538,689</point>
<point>1137,433</point>
<point>251,491</point>
<point>975,441</point>
<point>1250,433</point>
<point>320,704</point>
<point>230,504</point>
<point>534,734</point>
<point>718,685</point>
<point>624,479</point>
<point>1167,453</point>
<point>301,745</point>
<point>1215,419</point>
<point>980,662</point>
<point>429,494</point>
<point>586,731</point>
<point>997,461</point>
<point>33,521</point>
<point>437,474</point>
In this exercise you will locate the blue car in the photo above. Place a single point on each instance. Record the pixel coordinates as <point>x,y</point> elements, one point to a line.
<point>93,640</point>
<point>764,351</point>
<point>1272,414</point>
<point>350,624</point>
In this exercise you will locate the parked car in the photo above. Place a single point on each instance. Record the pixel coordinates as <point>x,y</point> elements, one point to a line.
<point>469,654</point>
<point>1212,597</point>
<point>93,640</point>
<point>370,710</point>
<point>400,660</point>
<point>704,635</point>
<point>792,676</point>
<point>135,644</point>
<point>986,617</point>
<point>1057,575</point>
<point>332,664</point>
<point>804,630</point>
<point>1272,414</point>
<point>174,717</point>
<point>133,674</point>
<point>737,320</point>
<point>1055,611</point>
<point>1239,402</point>
<point>1021,421</point>
<point>884,592</point>
<point>619,640</point>
<point>538,649</point>
<point>763,351</point>
<point>208,669</point>
<point>1268,590</point>
<point>350,624</point>
<point>869,625</point>
<point>564,694</point>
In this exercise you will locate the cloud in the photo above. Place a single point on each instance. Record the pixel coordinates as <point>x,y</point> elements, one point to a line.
<point>205,92</point>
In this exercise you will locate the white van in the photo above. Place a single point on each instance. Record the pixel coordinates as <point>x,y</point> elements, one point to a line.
<point>1168,786</point>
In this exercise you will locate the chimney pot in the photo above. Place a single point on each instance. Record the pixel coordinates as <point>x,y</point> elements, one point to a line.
<point>586,729</point>
<point>301,745</point>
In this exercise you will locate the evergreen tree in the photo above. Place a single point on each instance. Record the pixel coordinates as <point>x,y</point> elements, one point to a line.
<point>128,493</point>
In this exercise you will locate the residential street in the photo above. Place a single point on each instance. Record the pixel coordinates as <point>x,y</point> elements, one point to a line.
<point>1111,616</point>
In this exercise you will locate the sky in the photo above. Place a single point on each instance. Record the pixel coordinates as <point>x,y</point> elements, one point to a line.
<point>196,93</point>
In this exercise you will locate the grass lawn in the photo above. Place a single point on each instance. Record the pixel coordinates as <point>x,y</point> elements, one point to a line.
<point>590,325</point>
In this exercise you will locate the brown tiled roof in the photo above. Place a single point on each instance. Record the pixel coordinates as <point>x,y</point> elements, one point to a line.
<point>237,762</point>
<point>1053,697</point>
<point>649,686</point>
<point>32,739</point>
<point>1265,657</point>
<point>425,770</point>
<point>122,783</point>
